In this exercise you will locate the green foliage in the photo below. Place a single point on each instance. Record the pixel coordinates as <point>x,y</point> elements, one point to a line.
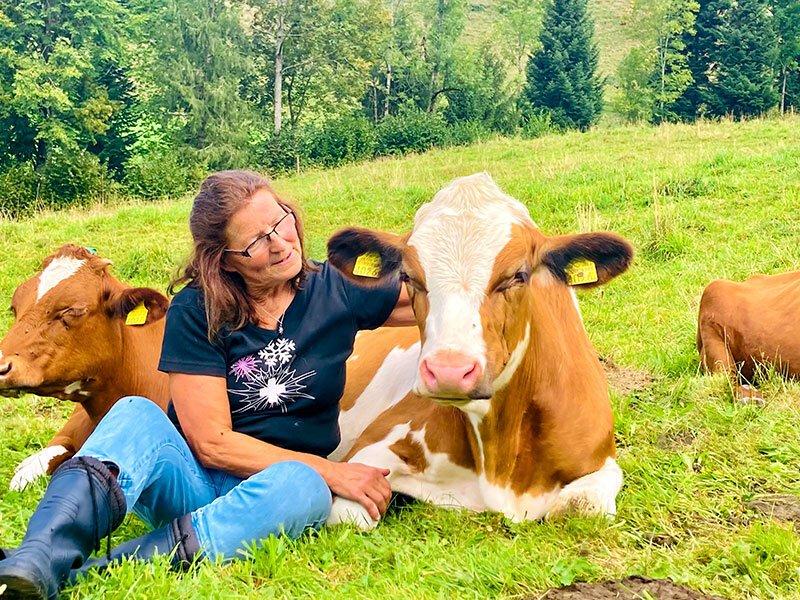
<point>562,77</point>
<point>635,97</point>
<point>19,190</point>
<point>787,29</point>
<point>481,91</point>
<point>410,131</point>
<point>464,133</point>
<point>742,62</point>
<point>654,74</point>
<point>346,139</point>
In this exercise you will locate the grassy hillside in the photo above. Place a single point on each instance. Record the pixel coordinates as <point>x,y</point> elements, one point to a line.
<point>698,202</point>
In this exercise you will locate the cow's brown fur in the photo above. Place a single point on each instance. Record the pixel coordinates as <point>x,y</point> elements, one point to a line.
<point>90,343</point>
<point>743,324</point>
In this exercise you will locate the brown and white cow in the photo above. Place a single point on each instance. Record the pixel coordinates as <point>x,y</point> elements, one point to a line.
<point>499,402</point>
<point>69,340</point>
<point>741,325</point>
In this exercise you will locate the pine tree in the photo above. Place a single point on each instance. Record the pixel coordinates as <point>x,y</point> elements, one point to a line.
<point>562,77</point>
<point>741,71</point>
<point>732,58</point>
<point>699,46</point>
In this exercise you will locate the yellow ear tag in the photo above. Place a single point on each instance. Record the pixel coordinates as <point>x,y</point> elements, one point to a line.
<point>368,265</point>
<point>137,316</point>
<point>581,271</point>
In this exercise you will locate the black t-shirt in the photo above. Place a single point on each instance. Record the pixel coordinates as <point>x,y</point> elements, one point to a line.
<point>283,389</point>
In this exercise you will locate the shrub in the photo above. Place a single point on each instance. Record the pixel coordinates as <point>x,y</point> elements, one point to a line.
<point>464,133</point>
<point>160,174</point>
<point>342,140</point>
<point>19,190</point>
<point>537,124</point>
<point>71,175</point>
<point>281,153</point>
<point>410,131</point>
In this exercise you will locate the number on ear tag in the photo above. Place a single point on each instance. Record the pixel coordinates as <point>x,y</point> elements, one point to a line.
<point>368,265</point>
<point>138,316</point>
<point>581,271</point>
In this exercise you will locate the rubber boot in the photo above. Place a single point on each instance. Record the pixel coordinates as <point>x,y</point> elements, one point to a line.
<point>82,505</point>
<point>177,539</point>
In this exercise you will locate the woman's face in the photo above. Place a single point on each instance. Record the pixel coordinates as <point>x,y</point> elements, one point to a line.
<point>274,259</point>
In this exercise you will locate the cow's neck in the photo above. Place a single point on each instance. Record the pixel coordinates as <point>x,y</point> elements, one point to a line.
<point>132,372</point>
<point>523,438</point>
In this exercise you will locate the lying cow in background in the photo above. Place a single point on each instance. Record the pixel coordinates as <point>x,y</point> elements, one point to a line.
<point>741,325</point>
<point>69,340</point>
<point>503,405</point>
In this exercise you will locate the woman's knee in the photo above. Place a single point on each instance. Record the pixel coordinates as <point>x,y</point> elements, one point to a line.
<point>306,485</point>
<point>134,407</point>
<point>133,420</point>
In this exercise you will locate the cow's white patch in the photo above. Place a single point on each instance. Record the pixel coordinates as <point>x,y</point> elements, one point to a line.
<point>73,387</point>
<point>58,270</point>
<point>514,361</point>
<point>458,236</point>
<point>525,507</point>
<point>595,493</point>
<point>33,467</point>
<point>390,384</point>
<point>443,483</point>
<point>375,455</point>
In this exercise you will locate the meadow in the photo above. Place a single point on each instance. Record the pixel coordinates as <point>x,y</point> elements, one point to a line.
<point>698,202</point>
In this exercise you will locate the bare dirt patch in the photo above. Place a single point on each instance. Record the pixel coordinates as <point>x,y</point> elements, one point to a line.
<point>630,588</point>
<point>625,380</point>
<point>783,507</point>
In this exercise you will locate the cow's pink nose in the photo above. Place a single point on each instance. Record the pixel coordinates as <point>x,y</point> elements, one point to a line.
<point>5,368</point>
<point>450,373</point>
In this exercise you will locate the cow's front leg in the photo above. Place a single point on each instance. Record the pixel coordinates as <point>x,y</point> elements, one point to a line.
<point>379,454</point>
<point>595,493</point>
<point>64,445</point>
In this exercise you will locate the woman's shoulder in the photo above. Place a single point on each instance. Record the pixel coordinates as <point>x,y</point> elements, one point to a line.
<point>189,297</point>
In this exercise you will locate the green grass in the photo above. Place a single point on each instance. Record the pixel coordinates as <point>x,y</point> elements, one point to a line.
<point>698,202</point>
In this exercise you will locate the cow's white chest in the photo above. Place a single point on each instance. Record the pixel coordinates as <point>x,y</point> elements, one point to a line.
<point>390,384</point>
<point>517,507</point>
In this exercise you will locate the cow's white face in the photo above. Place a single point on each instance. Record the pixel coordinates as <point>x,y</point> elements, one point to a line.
<point>68,319</point>
<point>483,280</point>
<point>456,240</point>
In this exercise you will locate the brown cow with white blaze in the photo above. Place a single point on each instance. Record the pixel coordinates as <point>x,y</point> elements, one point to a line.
<point>502,404</point>
<point>69,340</point>
<point>741,325</point>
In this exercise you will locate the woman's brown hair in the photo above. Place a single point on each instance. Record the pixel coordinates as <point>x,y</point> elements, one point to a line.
<point>227,302</point>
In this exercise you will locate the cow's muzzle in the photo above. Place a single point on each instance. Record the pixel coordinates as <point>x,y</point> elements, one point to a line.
<point>452,375</point>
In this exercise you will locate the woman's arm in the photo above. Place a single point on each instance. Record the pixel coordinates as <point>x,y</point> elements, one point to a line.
<point>201,403</point>
<point>402,315</point>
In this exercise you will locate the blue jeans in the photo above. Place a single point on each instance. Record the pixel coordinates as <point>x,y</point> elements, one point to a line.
<point>162,480</point>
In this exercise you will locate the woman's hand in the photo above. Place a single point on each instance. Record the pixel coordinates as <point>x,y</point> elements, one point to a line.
<point>366,485</point>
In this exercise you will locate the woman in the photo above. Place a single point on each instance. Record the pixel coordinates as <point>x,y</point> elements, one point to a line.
<point>255,345</point>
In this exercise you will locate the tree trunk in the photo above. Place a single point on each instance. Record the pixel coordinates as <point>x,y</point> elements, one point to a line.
<point>783,91</point>
<point>388,89</point>
<point>280,36</point>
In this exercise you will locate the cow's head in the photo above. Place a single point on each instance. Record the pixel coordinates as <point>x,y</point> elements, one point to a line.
<point>480,274</point>
<point>68,324</point>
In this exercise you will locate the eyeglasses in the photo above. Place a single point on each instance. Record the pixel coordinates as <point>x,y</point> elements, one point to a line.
<point>284,228</point>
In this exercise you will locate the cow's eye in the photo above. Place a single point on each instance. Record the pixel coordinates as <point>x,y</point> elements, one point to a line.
<point>413,283</point>
<point>521,277</point>
<point>70,314</point>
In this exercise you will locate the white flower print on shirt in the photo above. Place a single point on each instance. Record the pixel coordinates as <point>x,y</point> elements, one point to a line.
<point>267,379</point>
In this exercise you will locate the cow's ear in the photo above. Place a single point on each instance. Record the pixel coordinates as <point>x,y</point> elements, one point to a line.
<point>123,302</point>
<point>373,255</point>
<point>587,259</point>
